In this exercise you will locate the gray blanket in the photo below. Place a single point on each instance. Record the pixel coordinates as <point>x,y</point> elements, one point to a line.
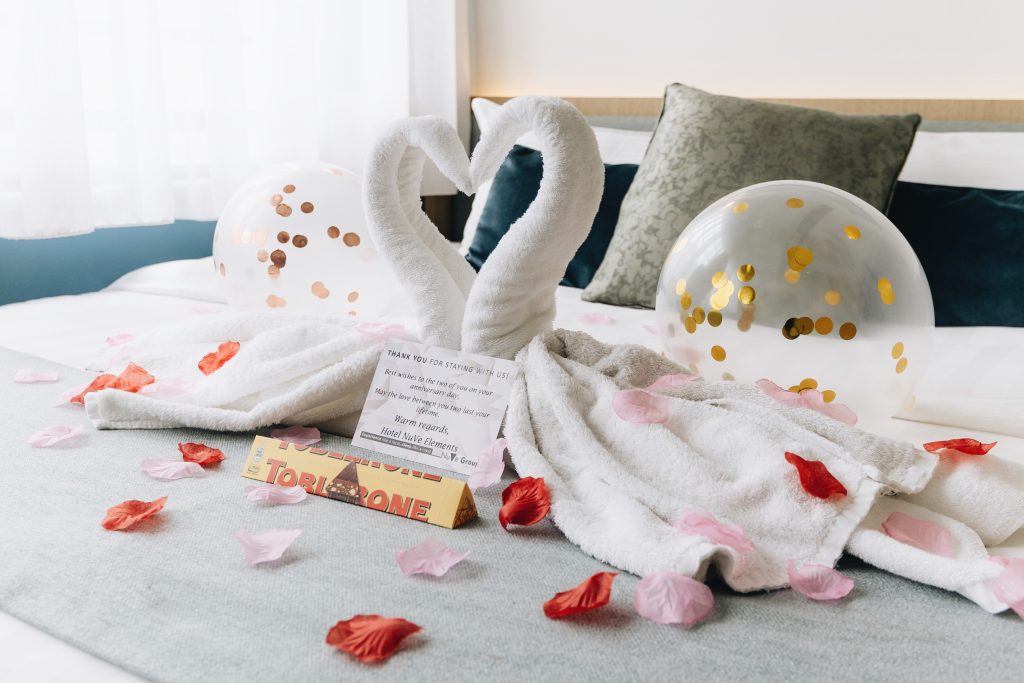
<point>176,601</point>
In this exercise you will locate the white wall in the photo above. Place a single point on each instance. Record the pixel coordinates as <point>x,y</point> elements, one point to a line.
<point>969,49</point>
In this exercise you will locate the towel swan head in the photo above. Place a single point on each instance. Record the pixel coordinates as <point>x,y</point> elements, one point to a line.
<point>512,299</point>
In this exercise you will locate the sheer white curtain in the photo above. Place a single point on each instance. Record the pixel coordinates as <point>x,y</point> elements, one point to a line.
<point>125,112</point>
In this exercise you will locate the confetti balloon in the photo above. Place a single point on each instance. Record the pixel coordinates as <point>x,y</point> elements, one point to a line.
<point>804,285</point>
<point>296,238</point>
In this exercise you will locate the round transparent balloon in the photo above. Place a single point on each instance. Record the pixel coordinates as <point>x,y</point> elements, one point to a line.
<point>296,238</point>
<point>804,285</point>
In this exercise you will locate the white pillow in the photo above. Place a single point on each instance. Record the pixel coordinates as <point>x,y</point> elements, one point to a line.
<point>617,146</point>
<point>991,160</point>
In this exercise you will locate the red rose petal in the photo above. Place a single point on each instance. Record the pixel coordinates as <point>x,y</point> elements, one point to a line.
<point>593,593</point>
<point>103,381</point>
<point>133,378</point>
<point>129,513</point>
<point>200,453</point>
<point>524,502</point>
<point>213,361</point>
<point>815,477</point>
<point>370,637</point>
<point>965,446</point>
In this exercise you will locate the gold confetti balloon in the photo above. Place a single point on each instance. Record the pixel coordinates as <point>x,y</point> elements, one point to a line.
<point>295,238</point>
<point>802,284</point>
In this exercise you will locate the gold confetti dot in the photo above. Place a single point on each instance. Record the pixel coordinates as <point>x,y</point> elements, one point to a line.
<point>847,331</point>
<point>680,286</point>
<point>720,299</point>
<point>804,325</point>
<point>808,383</point>
<point>351,239</point>
<point>276,199</point>
<point>718,280</point>
<point>795,389</point>
<point>745,272</point>
<point>685,300</point>
<point>799,257</point>
<point>284,210</point>
<point>718,353</point>
<point>714,318</point>
<point>275,301</point>
<point>262,255</point>
<point>740,207</point>
<point>832,297</point>
<point>698,315</point>
<point>690,324</point>
<point>728,377</point>
<point>897,350</point>
<point>300,241</point>
<point>746,295</point>
<point>789,329</point>
<point>795,203</point>
<point>791,276</point>
<point>352,296</point>
<point>901,366</point>
<point>306,207</point>
<point>273,271</point>
<point>852,231</point>
<point>283,237</point>
<point>828,396</point>
<point>288,189</point>
<point>223,270</point>
<point>885,291</point>
<point>743,325</point>
<point>320,290</point>
<point>823,325</point>
<point>333,232</point>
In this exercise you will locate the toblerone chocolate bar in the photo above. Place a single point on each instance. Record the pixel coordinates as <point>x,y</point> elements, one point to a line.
<point>398,490</point>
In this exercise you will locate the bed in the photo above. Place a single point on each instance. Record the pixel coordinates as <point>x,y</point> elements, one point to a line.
<point>973,384</point>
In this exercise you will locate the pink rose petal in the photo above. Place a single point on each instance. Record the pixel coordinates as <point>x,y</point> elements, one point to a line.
<point>1009,586</point>
<point>65,398</point>
<point>168,470</point>
<point>596,318</point>
<point>300,436</point>
<point>700,523</point>
<point>381,330</point>
<point>119,339</point>
<point>920,533</point>
<point>26,376</point>
<point>818,582</point>
<point>671,598</point>
<point>275,495</point>
<point>429,557</point>
<point>671,382</point>
<point>808,398</point>
<point>168,389</point>
<point>637,405</point>
<point>53,435</point>
<point>489,467</point>
<point>266,546</point>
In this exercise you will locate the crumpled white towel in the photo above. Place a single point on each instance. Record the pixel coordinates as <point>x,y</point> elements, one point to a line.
<point>617,486</point>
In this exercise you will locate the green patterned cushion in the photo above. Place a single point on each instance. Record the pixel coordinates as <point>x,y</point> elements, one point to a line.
<point>706,146</point>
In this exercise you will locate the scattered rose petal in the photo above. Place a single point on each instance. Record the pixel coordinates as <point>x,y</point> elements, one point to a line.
<point>104,381</point>
<point>53,435</point>
<point>920,533</point>
<point>671,382</point>
<point>119,339</point>
<point>429,557</point>
<point>300,436</point>
<point>168,470</point>
<point>524,502</point>
<point>489,466</point>
<point>381,330</point>
<point>168,389</point>
<point>132,379</point>
<point>639,406</point>
<point>200,453</point>
<point>650,329</point>
<point>596,318</point>
<point>593,593</point>
<point>808,398</point>
<point>671,598</point>
<point>815,477</point>
<point>370,637</point>
<point>700,523</point>
<point>965,446</point>
<point>266,546</point>
<point>818,582</point>
<point>129,513</point>
<point>26,376</point>
<point>66,396</point>
<point>1009,586</point>
<point>214,360</point>
<point>275,495</point>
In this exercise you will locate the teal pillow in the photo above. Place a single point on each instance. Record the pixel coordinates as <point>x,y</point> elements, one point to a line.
<point>971,244</point>
<point>513,190</point>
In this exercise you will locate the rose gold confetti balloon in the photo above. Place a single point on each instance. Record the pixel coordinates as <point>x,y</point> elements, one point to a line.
<point>295,238</point>
<point>802,284</point>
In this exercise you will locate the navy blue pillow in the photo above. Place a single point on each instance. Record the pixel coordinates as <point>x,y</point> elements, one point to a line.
<point>971,244</point>
<point>513,190</point>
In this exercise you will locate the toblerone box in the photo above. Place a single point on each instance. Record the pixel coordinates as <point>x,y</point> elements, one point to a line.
<point>398,490</point>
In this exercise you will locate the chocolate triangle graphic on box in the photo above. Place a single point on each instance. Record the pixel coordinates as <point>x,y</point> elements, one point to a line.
<point>345,486</point>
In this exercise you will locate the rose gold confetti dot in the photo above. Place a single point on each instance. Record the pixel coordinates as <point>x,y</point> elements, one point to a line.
<point>352,296</point>
<point>718,353</point>
<point>284,210</point>
<point>901,366</point>
<point>307,207</point>
<point>262,255</point>
<point>320,290</point>
<point>278,258</point>
<point>823,325</point>
<point>333,232</point>
<point>283,237</point>
<point>288,189</point>
<point>300,241</point>
<point>847,331</point>
<point>276,199</point>
<point>351,239</point>
<point>222,269</point>
<point>795,203</point>
<point>275,301</point>
<point>273,271</point>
